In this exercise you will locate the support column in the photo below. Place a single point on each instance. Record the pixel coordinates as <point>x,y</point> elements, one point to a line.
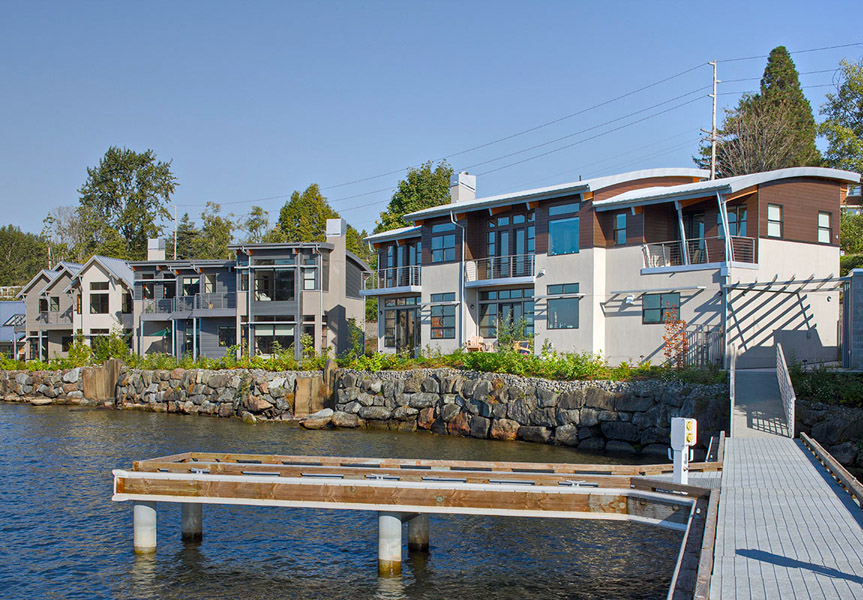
<point>389,544</point>
<point>144,527</point>
<point>683,245</point>
<point>193,522</point>
<point>418,533</point>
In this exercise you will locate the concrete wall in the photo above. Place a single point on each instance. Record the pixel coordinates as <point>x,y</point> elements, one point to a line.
<point>114,319</point>
<point>444,279</point>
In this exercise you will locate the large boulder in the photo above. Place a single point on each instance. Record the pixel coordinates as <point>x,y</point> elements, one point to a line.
<point>566,435</point>
<point>599,398</point>
<point>318,420</point>
<point>503,429</point>
<point>374,413</point>
<point>479,427</point>
<point>425,418</point>
<point>460,425</point>
<point>615,430</point>
<point>343,419</point>
<point>529,433</point>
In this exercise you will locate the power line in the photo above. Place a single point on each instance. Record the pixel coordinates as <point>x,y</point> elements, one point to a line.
<point>662,112</point>
<point>485,162</point>
<point>728,60</point>
<point>759,78</point>
<point>802,87</point>
<point>531,129</point>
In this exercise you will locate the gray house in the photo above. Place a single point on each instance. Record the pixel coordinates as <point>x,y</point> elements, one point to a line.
<point>292,291</point>
<point>185,307</point>
<point>48,309</point>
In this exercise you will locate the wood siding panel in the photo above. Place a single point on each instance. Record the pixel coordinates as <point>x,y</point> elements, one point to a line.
<point>801,200</point>
<point>660,223</point>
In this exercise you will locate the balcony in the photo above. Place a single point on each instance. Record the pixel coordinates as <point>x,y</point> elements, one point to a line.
<point>698,251</point>
<point>54,317</point>
<point>500,270</point>
<point>156,307</point>
<point>216,301</point>
<point>189,304</point>
<point>395,280</point>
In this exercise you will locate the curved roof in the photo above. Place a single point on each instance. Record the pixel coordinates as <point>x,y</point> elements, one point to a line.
<point>727,185</point>
<point>394,234</point>
<point>576,187</point>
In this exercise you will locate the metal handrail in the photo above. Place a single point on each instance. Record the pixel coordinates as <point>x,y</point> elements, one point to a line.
<point>408,275</point>
<point>786,389</point>
<point>157,306</point>
<point>56,317</point>
<point>698,251</point>
<point>215,300</point>
<point>500,267</point>
<point>732,388</point>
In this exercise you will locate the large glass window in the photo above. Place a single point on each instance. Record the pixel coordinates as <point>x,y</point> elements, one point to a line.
<point>825,229</point>
<point>98,302</point>
<point>43,305</point>
<point>269,338</point>
<point>620,229</point>
<point>511,307</point>
<point>127,303</point>
<point>736,221</point>
<point>443,242</point>
<point>191,286</point>
<point>562,306</point>
<point>54,303</point>
<point>774,220</point>
<point>563,236</point>
<point>656,307</point>
<point>210,283</point>
<point>227,337</point>
<point>392,306</point>
<point>443,316</point>
<point>309,278</point>
<point>274,285</point>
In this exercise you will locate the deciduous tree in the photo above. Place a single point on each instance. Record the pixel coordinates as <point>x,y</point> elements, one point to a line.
<point>21,255</point>
<point>422,187</point>
<point>129,193</point>
<point>216,234</point>
<point>843,126</point>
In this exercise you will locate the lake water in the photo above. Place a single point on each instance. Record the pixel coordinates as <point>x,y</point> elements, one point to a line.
<point>61,536</point>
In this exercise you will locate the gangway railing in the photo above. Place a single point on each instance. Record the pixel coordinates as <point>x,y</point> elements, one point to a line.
<point>732,388</point>
<point>786,389</point>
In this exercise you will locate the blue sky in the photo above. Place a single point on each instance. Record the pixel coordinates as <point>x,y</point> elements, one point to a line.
<point>253,100</point>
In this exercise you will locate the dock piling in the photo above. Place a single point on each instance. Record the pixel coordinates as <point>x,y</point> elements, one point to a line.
<point>144,527</point>
<point>389,544</point>
<point>193,523</point>
<point>418,533</point>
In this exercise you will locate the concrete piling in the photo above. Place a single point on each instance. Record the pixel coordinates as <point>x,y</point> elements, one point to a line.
<point>144,527</point>
<point>193,523</point>
<point>389,544</point>
<point>418,533</point>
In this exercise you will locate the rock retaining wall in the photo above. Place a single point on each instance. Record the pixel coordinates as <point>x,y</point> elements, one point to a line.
<point>838,428</point>
<point>590,415</point>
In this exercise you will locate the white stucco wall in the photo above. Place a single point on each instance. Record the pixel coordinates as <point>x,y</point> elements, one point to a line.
<point>114,318</point>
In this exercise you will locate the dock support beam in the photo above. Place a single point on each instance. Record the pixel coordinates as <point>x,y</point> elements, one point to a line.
<point>418,533</point>
<point>144,527</point>
<point>389,544</point>
<point>193,522</point>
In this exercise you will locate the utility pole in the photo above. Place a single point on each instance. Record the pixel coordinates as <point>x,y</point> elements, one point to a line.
<point>713,128</point>
<point>175,206</point>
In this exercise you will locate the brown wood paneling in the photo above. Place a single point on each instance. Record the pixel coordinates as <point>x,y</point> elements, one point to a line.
<point>660,223</point>
<point>801,200</point>
<point>614,190</point>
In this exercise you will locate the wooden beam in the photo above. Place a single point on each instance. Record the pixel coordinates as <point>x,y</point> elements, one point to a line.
<point>587,196</point>
<point>499,209</point>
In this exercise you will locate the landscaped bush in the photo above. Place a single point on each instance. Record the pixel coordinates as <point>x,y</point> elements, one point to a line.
<point>549,364</point>
<point>827,385</point>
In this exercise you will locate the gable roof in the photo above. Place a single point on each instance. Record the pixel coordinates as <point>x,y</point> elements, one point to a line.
<point>50,275</point>
<point>117,268</point>
<point>727,185</point>
<point>565,189</point>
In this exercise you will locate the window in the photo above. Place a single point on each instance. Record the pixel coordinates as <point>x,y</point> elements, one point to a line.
<point>98,302</point>
<point>65,342</point>
<point>620,229</point>
<point>774,220</point>
<point>244,282</point>
<point>274,285</point>
<point>169,289</point>
<point>147,291</point>
<point>309,278</point>
<point>191,285</point>
<point>510,307</point>
<point>43,305</point>
<point>563,232</point>
<point>443,242</point>
<point>443,317</point>
<point>227,337</point>
<point>269,338</point>
<point>392,307</point>
<point>210,283</point>
<point>127,303</point>
<point>825,230</point>
<point>736,221</point>
<point>54,304</point>
<point>563,236</point>
<point>563,310</point>
<point>655,307</point>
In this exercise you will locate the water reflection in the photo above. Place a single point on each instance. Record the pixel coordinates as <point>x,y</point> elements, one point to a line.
<point>61,536</point>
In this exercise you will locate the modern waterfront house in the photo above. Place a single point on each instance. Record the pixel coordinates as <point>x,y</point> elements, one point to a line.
<point>48,312</point>
<point>597,265</point>
<point>185,307</point>
<point>288,292</point>
<point>101,293</point>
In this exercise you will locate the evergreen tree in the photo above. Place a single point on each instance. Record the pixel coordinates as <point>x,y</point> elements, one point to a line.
<point>187,236</point>
<point>21,255</point>
<point>423,187</point>
<point>843,126</point>
<point>780,89</point>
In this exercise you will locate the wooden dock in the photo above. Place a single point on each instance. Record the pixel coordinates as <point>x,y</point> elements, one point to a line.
<point>408,490</point>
